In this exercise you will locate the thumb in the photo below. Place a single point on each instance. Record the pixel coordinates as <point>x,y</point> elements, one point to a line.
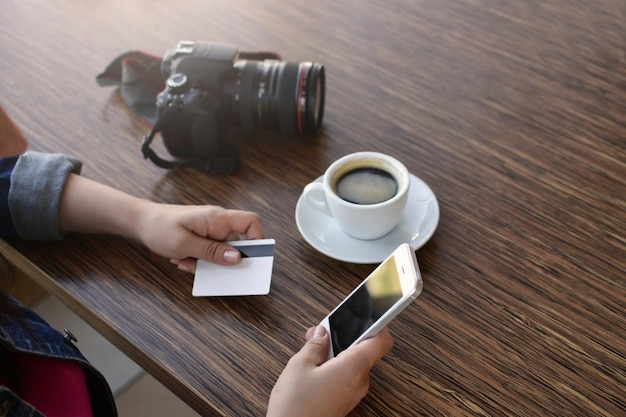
<point>217,252</point>
<point>315,349</point>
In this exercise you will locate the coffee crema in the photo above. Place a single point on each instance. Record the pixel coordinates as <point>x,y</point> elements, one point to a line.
<point>366,185</point>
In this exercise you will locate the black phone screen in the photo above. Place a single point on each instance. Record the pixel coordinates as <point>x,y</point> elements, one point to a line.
<point>366,305</point>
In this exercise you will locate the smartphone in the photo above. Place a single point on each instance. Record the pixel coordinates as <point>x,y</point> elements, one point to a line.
<point>392,286</point>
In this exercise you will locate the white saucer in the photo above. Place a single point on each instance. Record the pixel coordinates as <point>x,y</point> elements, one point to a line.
<point>417,225</point>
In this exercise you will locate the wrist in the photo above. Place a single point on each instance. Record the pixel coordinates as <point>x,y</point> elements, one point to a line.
<point>137,219</point>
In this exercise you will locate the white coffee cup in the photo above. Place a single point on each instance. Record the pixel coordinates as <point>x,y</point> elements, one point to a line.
<point>371,207</point>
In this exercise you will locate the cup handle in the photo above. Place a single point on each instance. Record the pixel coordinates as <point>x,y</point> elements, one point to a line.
<point>316,197</point>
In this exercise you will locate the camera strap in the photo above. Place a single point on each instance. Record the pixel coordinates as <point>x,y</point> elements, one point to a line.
<point>139,78</point>
<point>226,162</point>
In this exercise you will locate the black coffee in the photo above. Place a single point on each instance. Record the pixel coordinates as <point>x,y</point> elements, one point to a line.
<point>366,186</point>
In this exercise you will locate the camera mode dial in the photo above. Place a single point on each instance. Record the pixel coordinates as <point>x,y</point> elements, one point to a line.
<point>178,83</point>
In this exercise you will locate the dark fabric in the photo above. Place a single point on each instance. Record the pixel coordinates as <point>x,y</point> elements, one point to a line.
<point>12,406</point>
<point>23,330</point>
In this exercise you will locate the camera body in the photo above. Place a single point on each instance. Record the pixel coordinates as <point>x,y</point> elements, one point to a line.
<point>209,86</point>
<point>193,72</point>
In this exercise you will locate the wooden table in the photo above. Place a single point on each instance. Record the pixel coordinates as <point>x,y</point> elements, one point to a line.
<point>513,112</point>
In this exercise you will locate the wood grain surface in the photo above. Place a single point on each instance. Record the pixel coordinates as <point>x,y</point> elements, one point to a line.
<point>514,113</point>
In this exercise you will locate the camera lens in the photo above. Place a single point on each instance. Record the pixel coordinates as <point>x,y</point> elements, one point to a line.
<point>286,97</point>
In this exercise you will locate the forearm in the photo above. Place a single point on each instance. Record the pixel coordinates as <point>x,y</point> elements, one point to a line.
<point>90,207</point>
<point>47,198</point>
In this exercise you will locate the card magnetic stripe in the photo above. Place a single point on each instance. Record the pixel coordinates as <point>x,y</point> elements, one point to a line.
<point>255,251</point>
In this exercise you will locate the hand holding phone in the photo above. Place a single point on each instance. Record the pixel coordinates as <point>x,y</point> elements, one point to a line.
<point>391,287</point>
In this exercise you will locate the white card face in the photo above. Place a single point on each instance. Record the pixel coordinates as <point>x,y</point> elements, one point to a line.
<point>252,276</point>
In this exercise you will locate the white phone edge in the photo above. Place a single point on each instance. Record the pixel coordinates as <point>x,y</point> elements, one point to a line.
<point>386,318</point>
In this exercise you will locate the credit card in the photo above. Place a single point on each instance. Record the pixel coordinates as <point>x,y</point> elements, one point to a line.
<point>252,276</point>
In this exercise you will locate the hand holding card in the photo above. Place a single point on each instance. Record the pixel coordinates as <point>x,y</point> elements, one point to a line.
<point>252,276</point>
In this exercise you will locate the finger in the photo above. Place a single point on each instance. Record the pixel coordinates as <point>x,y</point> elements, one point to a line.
<point>213,222</point>
<point>188,265</point>
<point>245,223</point>
<point>371,350</point>
<point>233,236</point>
<point>315,350</point>
<point>309,333</point>
<point>254,231</point>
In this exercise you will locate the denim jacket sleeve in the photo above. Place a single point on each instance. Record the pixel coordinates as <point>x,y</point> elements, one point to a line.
<point>6,221</point>
<point>34,196</point>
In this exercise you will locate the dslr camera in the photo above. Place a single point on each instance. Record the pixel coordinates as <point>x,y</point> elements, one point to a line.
<point>209,86</point>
